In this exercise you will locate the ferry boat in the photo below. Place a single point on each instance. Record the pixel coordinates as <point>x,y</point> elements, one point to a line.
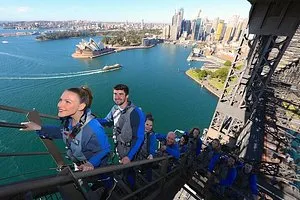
<point>111,67</point>
<point>4,42</point>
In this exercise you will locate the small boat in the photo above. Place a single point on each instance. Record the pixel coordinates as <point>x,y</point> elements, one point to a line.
<point>111,67</point>
<point>4,42</point>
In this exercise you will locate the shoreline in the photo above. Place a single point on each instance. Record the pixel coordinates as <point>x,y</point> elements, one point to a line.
<point>116,50</point>
<point>74,55</point>
<point>205,84</point>
<point>125,48</point>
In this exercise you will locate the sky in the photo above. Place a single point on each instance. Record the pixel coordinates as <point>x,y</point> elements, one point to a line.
<point>158,11</point>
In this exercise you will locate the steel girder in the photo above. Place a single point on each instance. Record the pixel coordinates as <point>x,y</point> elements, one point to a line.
<point>240,98</point>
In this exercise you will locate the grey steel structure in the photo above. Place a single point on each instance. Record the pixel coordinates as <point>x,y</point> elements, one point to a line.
<point>241,112</point>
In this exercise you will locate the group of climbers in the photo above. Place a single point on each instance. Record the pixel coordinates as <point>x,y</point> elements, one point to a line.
<point>134,139</point>
<point>227,176</point>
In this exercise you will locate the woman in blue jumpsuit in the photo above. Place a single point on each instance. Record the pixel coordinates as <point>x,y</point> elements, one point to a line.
<point>86,142</point>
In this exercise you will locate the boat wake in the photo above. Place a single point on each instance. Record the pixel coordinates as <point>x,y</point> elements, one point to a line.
<point>17,56</point>
<point>54,76</point>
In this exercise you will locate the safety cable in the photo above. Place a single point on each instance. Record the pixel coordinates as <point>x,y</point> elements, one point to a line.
<point>11,125</point>
<point>24,154</point>
<point>19,110</point>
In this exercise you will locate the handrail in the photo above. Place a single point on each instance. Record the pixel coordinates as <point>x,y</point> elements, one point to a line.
<point>50,181</point>
<point>34,116</point>
<point>19,110</point>
<point>11,125</point>
<point>118,167</point>
<point>38,153</point>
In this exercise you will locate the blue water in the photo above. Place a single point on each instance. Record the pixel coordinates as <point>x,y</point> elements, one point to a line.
<point>155,77</point>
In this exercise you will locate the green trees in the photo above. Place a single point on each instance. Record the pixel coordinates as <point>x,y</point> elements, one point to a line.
<point>65,34</point>
<point>105,40</point>
<point>202,74</point>
<point>221,73</point>
<point>227,63</point>
<point>124,38</point>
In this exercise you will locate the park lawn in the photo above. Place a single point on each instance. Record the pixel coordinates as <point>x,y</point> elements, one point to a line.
<point>216,83</point>
<point>193,74</point>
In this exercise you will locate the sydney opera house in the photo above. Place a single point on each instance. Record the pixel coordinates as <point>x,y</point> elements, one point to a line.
<point>91,49</point>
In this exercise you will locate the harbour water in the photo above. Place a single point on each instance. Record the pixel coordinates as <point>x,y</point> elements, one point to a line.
<point>34,74</point>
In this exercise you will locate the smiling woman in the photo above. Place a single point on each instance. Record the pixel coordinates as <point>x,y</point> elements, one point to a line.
<point>80,131</point>
<point>73,102</point>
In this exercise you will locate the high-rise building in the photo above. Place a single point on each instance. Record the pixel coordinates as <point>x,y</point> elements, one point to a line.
<point>174,19</point>
<point>233,22</point>
<point>238,31</point>
<point>215,25</point>
<point>166,32</point>
<point>175,30</point>
<point>193,24</point>
<point>142,24</point>
<point>208,27</point>
<point>180,16</point>
<point>207,30</point>
<point>242,25</point>
<point>227,36</point>
<point>197,31</point>
<point>199,13</point>
<point>223,31</point>
<point>219,31</point>
<point>179,21</point>
<point>182,26</point>
<point>186,26</point>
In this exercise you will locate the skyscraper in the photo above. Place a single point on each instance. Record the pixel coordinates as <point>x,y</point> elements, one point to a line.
<point>207,30</point>
<point>215,24</point>
<point>166,32</point>
<point>179,21</point>
<point>176,24</point>
<point>234,24</point>
<point>242,25</point>
<point>186,26</point>
<point>227,36</point>
<point>219,31</point>
<point>238,31</point>
<point>198,32</point>
<point>142,24</point>
<point>174,28</point>
<point>198,28</point>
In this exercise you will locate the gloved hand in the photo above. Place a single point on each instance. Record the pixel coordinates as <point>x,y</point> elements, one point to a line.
<point>30,126</point>
<point>86,167</point>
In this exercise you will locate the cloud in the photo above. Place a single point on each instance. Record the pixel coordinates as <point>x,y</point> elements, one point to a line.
<point>23,9</point>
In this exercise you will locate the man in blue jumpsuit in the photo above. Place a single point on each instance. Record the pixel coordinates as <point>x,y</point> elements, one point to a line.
<point>246,181</point>
<point>194,147</point>
<point>170,147</point>
<point>225,173</point>
<point>128,123</point>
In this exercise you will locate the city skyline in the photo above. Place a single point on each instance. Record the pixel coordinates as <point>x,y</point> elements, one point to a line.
<point>119,11</point>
